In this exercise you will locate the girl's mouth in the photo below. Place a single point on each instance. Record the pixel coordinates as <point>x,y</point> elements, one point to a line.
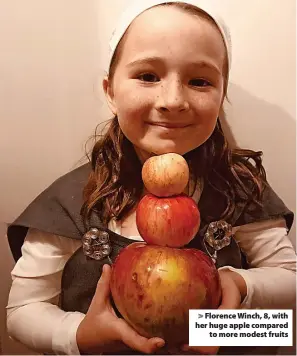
<point>169,125</point>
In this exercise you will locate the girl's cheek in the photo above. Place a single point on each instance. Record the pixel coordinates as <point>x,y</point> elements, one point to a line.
<point>133,104</point>
<point>139,101</point>
<point>208,103</point>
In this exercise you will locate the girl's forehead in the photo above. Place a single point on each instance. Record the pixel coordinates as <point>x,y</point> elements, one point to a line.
<point>164,28</point>
<point>137,10</point>
<point>160,18</point>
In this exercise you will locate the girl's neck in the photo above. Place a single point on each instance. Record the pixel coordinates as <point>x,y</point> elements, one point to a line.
<point>143,155</point>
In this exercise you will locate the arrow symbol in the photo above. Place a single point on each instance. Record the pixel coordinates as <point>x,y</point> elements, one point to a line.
<point>200,316</point>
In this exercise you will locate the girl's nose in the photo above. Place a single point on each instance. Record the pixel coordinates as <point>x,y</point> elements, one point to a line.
<point>172,97</point>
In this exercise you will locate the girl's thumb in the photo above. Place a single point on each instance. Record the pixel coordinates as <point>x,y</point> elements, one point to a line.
<point>103,288</point>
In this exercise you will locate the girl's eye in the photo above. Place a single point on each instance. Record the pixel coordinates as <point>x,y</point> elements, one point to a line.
<point>148,77</point>
<point>199,82</point>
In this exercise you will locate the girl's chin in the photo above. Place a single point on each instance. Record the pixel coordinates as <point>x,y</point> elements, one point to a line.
<point>146,151</point>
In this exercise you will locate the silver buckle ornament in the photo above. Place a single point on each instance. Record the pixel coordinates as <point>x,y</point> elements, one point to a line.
<point>217,236</point>
<point>96,244</point>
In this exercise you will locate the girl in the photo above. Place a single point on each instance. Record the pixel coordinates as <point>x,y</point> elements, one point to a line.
<point>166,84</point>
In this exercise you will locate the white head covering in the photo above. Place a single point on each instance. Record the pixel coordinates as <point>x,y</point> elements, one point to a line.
<point>136,7</point>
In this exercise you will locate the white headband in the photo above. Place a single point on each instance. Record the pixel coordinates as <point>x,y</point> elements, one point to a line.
<point>139,6</point>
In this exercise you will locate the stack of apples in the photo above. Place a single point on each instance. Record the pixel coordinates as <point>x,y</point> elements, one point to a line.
<point>154,283</point>
<point>167,216</point>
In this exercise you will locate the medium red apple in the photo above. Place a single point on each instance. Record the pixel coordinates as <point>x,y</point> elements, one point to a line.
<point>165,175</point>
<point>172,221</point>
<point>154,287</point>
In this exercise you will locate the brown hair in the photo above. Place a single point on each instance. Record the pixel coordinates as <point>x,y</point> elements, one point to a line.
<point>115,184</point>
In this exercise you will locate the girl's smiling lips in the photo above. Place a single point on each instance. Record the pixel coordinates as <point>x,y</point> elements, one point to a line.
<point>169,125</point>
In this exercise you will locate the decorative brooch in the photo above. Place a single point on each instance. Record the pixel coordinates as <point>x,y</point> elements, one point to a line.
<point>96,244</point>
<point>218,235</point>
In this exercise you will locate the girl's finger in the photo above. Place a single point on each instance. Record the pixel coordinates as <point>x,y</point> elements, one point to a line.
<point>137,342</point>
<point>102,292</point>
<point>231,297</point>
<point>200,350</point>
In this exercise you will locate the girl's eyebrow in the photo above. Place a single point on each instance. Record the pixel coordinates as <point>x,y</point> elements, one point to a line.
<point>145,60</point>
<point>156,60</point>
<point>205,64</point>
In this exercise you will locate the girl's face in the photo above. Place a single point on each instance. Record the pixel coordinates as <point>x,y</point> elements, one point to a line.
<point>167,88</point>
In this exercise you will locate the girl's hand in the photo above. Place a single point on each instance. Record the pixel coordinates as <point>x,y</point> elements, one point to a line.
<point>101,331</point>
<point>233,292</point>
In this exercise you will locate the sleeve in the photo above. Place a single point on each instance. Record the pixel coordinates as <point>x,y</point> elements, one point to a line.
<point>271,279</point>
<point>33,315</point>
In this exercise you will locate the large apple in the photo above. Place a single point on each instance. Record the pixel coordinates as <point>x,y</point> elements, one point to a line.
<point>172,221</point>
<point>154,287</point>
<point>165,175</point>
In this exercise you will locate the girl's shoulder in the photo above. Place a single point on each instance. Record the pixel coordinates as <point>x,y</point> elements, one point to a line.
<point>56,210</point>
<point>212,206</point>
<point>270,207</point>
